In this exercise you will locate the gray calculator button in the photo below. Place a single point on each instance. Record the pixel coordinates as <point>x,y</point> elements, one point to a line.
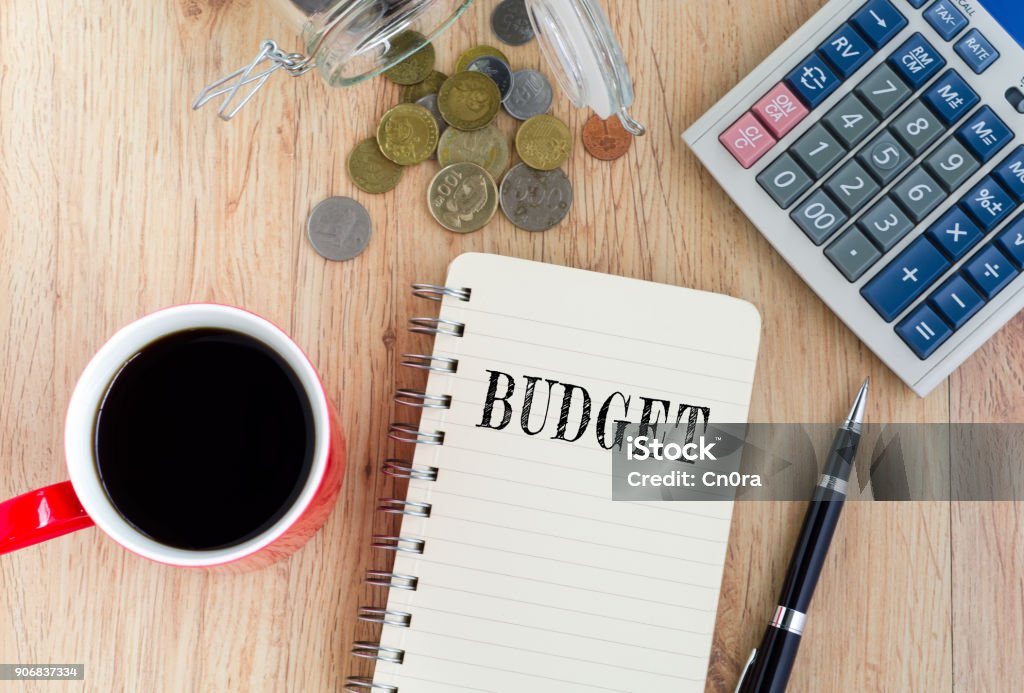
<point>852,253</point>
<point>885,224</point>
<point>819,217</point>
<point>951,164</point>
<point>883,91</point>
<point>784,180</point>
<point>917,127</point>
<point>918,194</point>
<point>852,187</point>
<point>818,151</point>
<point>885,158</point>
<point>850,121</point>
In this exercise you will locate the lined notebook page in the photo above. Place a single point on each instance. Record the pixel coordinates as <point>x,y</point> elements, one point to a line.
<point>532,578</point>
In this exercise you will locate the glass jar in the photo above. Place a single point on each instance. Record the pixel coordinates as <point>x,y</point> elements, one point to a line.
<point>349,41</point>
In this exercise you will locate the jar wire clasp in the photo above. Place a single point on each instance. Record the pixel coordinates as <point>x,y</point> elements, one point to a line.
<point>269,60</point>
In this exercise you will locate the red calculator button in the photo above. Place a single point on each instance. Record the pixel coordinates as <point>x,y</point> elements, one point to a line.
<point>747,140</point>
<point>780,110</point>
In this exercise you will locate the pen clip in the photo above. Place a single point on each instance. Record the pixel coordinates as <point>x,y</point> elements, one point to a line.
<point>746,668</point>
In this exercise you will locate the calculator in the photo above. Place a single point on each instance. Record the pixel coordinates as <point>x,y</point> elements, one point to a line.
<point>880,150</point>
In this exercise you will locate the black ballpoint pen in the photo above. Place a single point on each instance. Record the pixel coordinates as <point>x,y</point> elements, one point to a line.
<point>768,668</point>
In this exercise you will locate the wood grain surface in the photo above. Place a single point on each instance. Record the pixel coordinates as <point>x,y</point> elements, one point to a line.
<point>116,199</point>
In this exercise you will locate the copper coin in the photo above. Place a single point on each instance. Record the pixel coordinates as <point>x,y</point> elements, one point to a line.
<point>606,139</point>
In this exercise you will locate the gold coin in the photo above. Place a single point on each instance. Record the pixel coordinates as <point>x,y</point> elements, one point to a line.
<point>416,67</point>
<point>478,52</point>
<point>407,134</point>
<point>468,100</point>
<point>462,197</point>
<point>412,93</point>
<point>370,170</point>
<point>543,142</point>
<point>486,147</point>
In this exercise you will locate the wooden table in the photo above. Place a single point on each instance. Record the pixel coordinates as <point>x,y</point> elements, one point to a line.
<point>117,200</point>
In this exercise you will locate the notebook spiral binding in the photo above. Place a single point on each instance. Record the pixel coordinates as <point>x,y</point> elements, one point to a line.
<point>405,469</point>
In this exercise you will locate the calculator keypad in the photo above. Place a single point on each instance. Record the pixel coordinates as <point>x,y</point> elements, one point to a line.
<point>879,162</point>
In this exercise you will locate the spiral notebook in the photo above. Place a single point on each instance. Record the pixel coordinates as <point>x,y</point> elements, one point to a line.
<point>514,570</point>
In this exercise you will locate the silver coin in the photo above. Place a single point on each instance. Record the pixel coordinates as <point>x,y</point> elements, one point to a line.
<point>530,95</point>
<point>495,68</point>
<point>511,23</point>
<point>535,200</point>
<point>429,102</point>
<point>339,228</point>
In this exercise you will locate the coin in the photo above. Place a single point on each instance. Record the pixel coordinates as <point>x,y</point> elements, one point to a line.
<point>414,68</point>
<point>530,95</point>
<point>535,200</point>
<point>473,53</point>
<point>411,93</point>
<point>495,68</point>
<point>543,142</point>
<point>339,228</point>
<point>429,102</point>
<point>606,139</point>
<point>511,23</point>
<point>486,147</point>
<point>407,134</point>
<point>469,100</point>
<point>370,170</point>
<point>462,197</point>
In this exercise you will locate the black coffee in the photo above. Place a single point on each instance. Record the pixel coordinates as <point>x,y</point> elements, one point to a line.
<point>204,439</point>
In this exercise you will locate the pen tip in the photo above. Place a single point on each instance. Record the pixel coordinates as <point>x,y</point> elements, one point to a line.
<point>856,418</point>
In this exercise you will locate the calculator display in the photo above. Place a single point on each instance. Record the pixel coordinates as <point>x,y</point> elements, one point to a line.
<point>1009,14</point>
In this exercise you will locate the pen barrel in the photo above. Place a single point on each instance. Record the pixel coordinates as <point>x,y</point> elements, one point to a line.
<point>769,672</point>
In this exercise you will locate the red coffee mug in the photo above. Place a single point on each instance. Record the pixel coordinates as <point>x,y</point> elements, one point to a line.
<point>55,510</point>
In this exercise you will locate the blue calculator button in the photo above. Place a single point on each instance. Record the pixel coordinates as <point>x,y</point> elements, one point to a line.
<point>813,81</point>
<point>879,22</point>
<point>988,203</point>
<point>976,51</point>
<point>990,271</point>
<point>916,61</point>
<point>954,233</point>
<point>951,98</point>
<point>846,50</point>
<point>984,134</point>
<point>956,301</point>
<point>923,331</point>
<point>917,4</point>
<point>1011,241</point>
<point>905,278</point>
<point>945,19</point>
<point>1010,173</point>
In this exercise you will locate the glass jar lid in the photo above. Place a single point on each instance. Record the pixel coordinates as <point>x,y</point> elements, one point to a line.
<point>349,41</point>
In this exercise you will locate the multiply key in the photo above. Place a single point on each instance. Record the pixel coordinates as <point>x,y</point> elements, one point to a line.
<point>905,278</point>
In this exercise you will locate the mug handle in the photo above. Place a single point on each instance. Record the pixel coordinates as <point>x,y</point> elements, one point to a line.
<point>40,515</point>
